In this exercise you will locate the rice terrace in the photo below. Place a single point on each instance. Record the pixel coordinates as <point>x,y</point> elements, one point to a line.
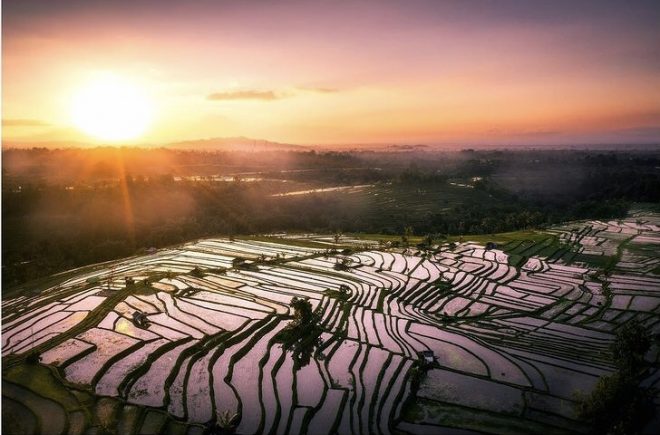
<point>469,335</point>
<point>406,217</point>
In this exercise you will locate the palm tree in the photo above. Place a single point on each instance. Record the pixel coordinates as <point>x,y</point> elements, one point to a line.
<point>407,233</point>
<point>225,424</point>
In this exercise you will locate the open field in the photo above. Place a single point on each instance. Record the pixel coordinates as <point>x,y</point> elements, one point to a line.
<point>515,330</point>
<point>381,205</point>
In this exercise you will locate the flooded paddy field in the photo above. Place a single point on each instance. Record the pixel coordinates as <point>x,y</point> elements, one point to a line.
<point>515,330</point>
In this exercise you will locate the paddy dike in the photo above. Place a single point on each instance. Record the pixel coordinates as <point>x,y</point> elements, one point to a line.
<point>515,331</point>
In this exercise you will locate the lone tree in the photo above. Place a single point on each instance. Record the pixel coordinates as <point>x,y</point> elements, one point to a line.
<point>303,316</point>
<point>337,237</point>
<point>303,335</point>
<point>407,233</point>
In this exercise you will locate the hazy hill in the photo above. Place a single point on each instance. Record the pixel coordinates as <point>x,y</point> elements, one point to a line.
<point>234,144</point>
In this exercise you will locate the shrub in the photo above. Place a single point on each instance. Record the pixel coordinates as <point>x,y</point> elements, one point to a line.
<point>618,405</point>
<point>631,344</point>
<point>343,264</point>
<point>33,358</point>
<point>197,272</point>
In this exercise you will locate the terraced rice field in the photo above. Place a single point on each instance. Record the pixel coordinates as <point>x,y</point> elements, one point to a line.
<point>513,340</point>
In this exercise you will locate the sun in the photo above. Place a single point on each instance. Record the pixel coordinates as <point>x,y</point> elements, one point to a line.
<point>111,108</point>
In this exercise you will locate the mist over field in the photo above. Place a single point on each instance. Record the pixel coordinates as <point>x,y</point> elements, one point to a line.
<point>69,207</point>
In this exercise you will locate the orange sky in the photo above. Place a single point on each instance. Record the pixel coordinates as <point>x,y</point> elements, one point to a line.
<point>343,72</point>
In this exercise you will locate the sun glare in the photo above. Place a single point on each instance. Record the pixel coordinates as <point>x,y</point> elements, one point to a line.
<point>111,108</point>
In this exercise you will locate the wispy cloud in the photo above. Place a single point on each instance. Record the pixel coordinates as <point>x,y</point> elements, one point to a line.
<point>522,133</point>
<point>254,94</point>
<point>647,131</point>
<point>321,90</point>
<point>244,95</point>
<point>24,123</point>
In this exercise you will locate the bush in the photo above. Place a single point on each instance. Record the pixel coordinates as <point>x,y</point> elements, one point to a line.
<point>343,264</point>
<point>33,358</point>
<point>631,344</point>
<point>197,272</point>
<point>616,406</point>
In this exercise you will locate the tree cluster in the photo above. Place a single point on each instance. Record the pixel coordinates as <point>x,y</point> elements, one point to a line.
<point>618,405</point>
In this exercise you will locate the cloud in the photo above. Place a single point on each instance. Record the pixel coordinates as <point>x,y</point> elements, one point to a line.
<point>24,123</point>
<point>244,95</point>
<point>647,131</point>
<point>522,133</point>
<point>539,133</point>
<point>253,94</point>
<point>320,90</point>
<point>654,129</point>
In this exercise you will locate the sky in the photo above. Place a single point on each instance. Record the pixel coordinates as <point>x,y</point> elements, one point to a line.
<point>342,72</point>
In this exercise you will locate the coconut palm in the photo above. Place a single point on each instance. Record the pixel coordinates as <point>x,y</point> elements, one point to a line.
<point>224,424</point>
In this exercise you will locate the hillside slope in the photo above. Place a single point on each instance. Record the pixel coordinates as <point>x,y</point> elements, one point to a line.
<point>515,331</point>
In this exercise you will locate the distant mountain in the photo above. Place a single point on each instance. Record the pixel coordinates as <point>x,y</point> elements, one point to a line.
<point>61,144</point>
<point>235,144</point>
<point>213,144</point>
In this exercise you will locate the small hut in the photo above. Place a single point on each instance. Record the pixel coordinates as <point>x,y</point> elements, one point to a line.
<point>238,262</point>
<point>428,357</point>
<point>140,319</point>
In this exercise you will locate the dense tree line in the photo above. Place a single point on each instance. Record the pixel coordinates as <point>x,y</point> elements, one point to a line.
<point>52,223</point>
